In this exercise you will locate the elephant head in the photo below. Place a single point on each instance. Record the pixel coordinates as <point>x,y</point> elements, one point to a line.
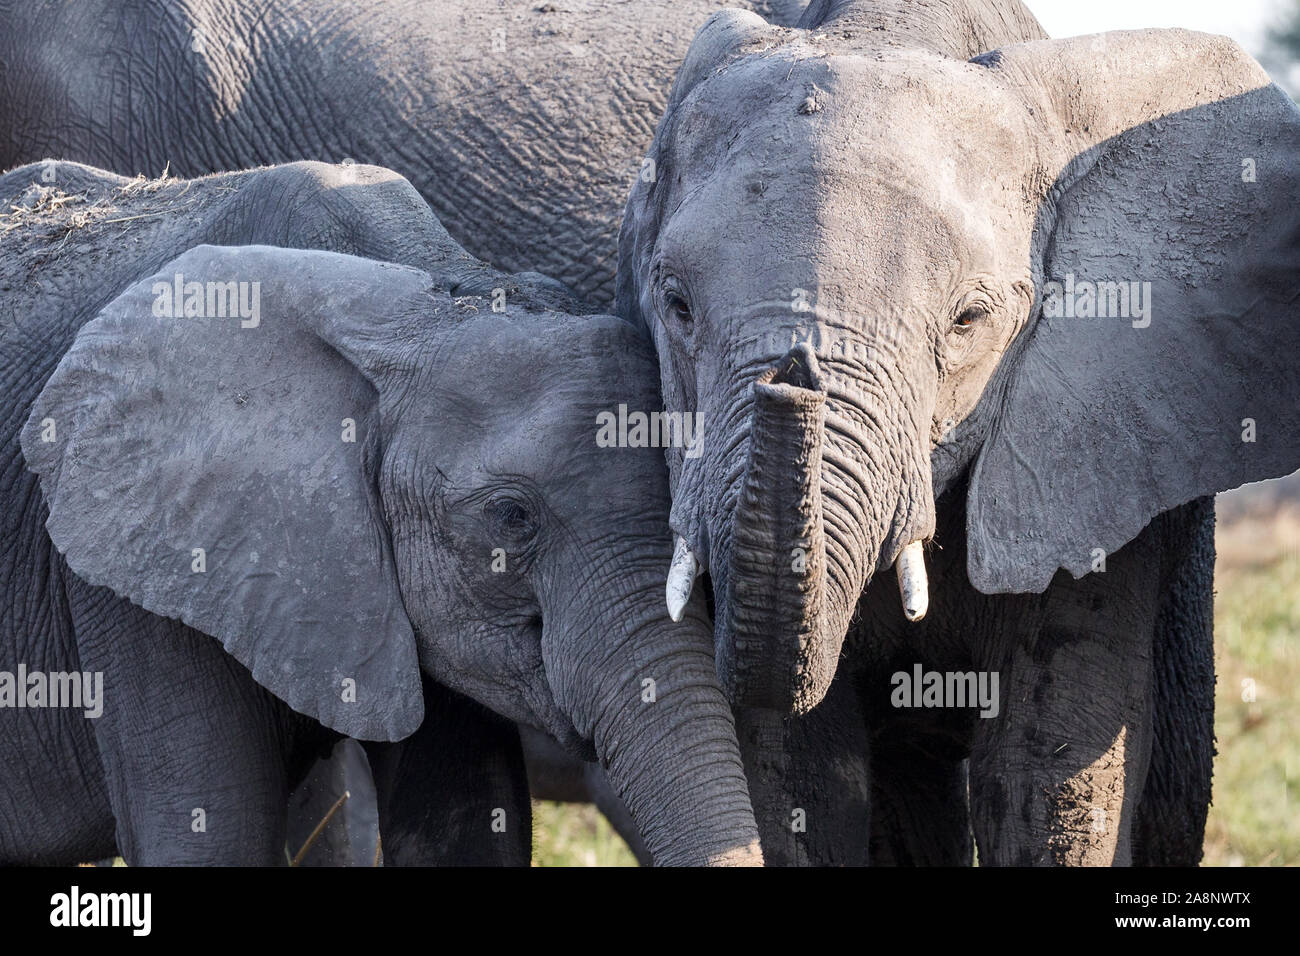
<point>1061,275</point>
<point>347,477</point>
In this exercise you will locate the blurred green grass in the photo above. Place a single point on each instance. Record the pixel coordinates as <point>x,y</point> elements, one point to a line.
<point>1255,816</point>
<point>576,834</point>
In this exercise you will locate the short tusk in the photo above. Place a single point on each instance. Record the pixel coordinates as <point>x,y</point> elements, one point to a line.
<point>912,585</point>
<point>681,579</point>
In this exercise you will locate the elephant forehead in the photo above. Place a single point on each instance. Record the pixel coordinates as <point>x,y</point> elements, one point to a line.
<point>920,86</point>
<point>900,111</point>
<point>859,238</point>
<point>532,377</point>
<point>789,175</point>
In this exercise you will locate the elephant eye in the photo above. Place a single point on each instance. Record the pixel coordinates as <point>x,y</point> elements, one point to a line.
<point>969,317</point>
<point>511,519</point>
<point>677,308</point>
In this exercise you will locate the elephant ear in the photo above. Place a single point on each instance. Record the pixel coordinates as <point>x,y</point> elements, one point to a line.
<point>1180,167</point>
<point>207,449</point>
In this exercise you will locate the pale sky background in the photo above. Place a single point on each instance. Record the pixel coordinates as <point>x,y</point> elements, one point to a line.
<point>1243,20</point>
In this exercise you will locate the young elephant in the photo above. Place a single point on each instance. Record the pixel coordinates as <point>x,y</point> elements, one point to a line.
<point>347,477</point>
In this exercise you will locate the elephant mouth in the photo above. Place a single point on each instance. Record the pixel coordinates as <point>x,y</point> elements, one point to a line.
<point>550,718</point>
<point>546,715</point>
<point>566,735</point>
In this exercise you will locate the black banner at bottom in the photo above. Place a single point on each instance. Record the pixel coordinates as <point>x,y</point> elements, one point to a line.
<point>336,906</point>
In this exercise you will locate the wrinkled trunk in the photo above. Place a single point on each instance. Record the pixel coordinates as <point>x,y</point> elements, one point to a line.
<point>824,502</point>
<point>782,652</point>
<point>661,726</point>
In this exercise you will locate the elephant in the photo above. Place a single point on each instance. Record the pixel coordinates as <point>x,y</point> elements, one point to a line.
<point>541,136</point>
<point>976,321</point>
<point>521,123</point>
<point>269,482</point>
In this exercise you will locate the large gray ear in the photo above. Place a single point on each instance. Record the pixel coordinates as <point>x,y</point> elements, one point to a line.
<point>1179,170</point>
<point>207,451</point>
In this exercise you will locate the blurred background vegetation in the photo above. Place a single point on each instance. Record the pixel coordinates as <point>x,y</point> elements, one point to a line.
<point>1281,51</point>
<point>1255,819</point>
<point>575,834</point>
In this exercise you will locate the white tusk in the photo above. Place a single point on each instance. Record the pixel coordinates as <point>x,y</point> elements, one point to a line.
<point>912,586</point>
<point>681,579</point>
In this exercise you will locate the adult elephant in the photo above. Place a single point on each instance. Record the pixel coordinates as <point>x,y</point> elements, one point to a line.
<point>930,279</point>
<point>372,494</point>
<point>521,123</point>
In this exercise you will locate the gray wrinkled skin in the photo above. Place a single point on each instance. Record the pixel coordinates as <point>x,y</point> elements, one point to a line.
<point>337,568</point>
<point>521,123</point>
<point>522,128</point>
<point>843,262</point>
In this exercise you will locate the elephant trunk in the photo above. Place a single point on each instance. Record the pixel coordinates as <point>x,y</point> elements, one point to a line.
<point>781,653</point>
<point>805,538</point>
<point>663,730</point>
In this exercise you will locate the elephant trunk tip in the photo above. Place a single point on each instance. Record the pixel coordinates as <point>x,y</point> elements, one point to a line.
<point>748,855</point>
<point>798,370</point>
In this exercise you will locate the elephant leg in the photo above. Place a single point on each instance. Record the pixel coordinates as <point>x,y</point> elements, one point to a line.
<point>1170,825</point>
<point>919,810</point>
<point>1056,777</point>
<point>808,780</point>
<point>454,793</point>
<point>191,746</point>
<point>349,835</point>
